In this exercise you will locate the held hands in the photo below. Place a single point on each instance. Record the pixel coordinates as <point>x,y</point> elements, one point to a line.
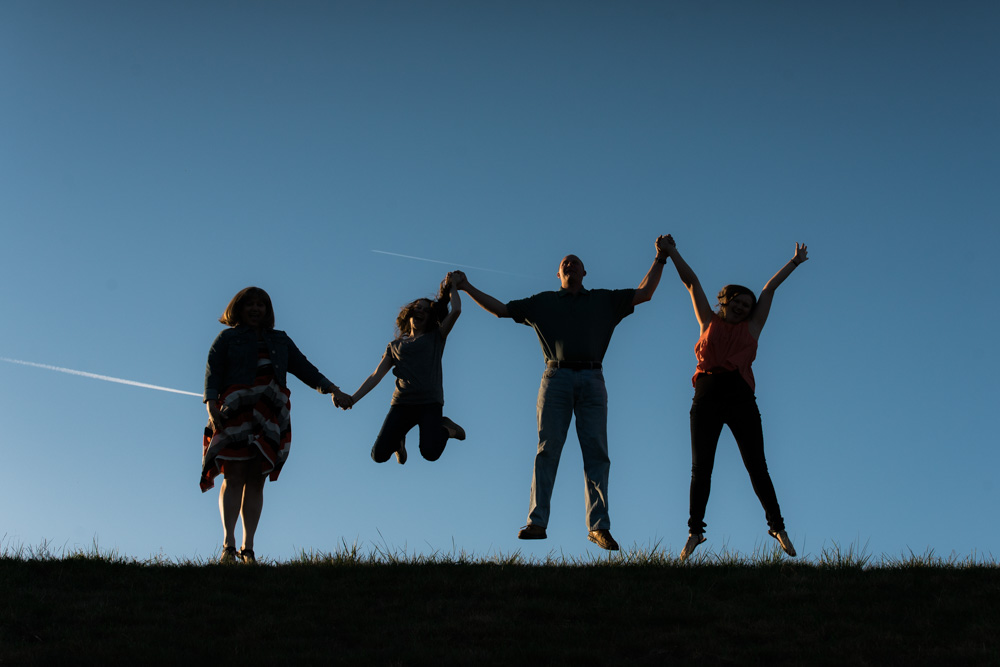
<point>664,244</point>
<point>801,254</point>
<point>342,400</point>
<point>458,279</point>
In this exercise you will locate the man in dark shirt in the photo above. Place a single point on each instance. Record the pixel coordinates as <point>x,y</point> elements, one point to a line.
<point>574,326</point>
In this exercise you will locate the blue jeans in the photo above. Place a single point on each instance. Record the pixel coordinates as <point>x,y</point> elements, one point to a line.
<point>562,394</point>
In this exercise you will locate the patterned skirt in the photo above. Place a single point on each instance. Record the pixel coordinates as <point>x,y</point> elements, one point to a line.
<point>256,425</point>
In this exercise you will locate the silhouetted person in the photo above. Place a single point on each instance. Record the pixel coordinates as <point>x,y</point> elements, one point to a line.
<point>724,391</point>
<point>574,326</point>
<point>249,430</point>
<point>422,327</point>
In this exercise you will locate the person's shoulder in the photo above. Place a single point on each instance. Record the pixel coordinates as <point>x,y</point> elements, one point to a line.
<point>227,334</point>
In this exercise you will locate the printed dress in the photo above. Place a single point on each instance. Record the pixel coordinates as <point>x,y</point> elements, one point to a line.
<point>256,425</point>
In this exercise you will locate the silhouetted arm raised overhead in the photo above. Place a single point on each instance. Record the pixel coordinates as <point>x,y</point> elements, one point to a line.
<point>702,308</point>
<point>652,278</point>
<point>456,306</point>
<point>763,307</point>
<point>487,302</point>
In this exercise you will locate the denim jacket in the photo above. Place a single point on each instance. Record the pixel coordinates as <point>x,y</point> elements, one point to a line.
<point>232,359</point>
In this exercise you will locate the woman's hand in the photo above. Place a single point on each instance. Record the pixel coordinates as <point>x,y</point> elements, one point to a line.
<point>801,254</point>
<point>664,244</point>
<point>342,400</point>
<point>215,417</point>
<point>458,279</point>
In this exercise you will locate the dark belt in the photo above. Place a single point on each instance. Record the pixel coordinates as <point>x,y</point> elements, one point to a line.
<point>575,365</point>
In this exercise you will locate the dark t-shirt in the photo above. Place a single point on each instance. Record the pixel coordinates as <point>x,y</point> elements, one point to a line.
<point>416,363</point>
<point>574,327</point>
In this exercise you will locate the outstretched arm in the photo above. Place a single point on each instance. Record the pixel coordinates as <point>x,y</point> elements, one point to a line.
<point>763,307</point>
<point>652,278</point>
<point>455,300</point>
<point>372,380</point>
<point>487,302</point>
<point>702,308</point>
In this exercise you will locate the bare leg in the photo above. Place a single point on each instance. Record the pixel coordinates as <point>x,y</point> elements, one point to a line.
<point>230,500</point>
<point>253,504</point>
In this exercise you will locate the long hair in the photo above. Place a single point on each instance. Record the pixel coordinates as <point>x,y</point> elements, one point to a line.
<point>438,311</point>
<point>730,292</point>
<point>231,316</point>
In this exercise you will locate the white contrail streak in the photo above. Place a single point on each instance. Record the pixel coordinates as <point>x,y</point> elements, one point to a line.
<point>95,376</point>
<point>437,261</point>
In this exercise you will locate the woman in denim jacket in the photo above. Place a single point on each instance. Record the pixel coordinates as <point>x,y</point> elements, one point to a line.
<point>249,430</point>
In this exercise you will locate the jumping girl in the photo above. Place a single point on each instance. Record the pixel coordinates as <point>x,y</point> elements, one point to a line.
<point>422,327</point>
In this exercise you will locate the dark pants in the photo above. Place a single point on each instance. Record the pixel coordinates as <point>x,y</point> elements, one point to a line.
<point>400,420</point>
<point>726,399</point>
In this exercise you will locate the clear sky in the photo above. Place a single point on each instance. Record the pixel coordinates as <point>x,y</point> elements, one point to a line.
<point>155,158</point>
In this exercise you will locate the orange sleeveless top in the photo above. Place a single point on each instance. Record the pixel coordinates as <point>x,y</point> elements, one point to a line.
<point>728,347</point>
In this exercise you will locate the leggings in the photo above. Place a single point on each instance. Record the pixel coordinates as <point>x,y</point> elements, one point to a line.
<point>726,399</point>
<point>401,418</point>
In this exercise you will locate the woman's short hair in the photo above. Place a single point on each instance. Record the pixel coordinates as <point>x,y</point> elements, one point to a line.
<point>231,316</point>
<point>730,292</point>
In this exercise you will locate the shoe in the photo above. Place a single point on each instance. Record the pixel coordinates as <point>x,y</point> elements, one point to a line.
<point>228,555</point>
<point>786,544</point>
<point>454,430</point>
<point>401,452</point>
<point>531,532</point>
<point>246,555</point>
<point>694,539</point>
<point>602,538</point>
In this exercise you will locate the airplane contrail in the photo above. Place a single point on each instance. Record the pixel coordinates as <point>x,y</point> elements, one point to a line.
<point>95,376</point>
<point>437,261</point>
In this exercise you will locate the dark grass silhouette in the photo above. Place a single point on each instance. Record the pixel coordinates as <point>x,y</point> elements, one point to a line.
<point>387,608</point>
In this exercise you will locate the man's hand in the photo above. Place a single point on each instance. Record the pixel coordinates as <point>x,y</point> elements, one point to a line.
<point>664,244</point>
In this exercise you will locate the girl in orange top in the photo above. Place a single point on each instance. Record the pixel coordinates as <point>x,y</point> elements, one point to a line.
<point>724,391</point>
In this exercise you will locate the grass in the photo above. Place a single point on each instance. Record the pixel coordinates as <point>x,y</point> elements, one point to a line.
<point>389,607</point>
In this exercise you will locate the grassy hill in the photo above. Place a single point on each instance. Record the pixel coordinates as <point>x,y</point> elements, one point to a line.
<point>634,608</point>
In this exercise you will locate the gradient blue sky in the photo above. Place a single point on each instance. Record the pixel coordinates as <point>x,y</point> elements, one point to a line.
<point>158,157</point>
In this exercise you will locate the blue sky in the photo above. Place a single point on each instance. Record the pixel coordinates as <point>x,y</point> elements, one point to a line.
<point>158,157</point>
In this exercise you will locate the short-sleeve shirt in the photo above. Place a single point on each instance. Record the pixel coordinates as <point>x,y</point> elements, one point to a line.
<point>416,363</point>
<point>574,327</point>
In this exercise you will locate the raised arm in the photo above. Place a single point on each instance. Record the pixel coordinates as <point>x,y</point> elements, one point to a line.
<point>372,380</point>
<point>763,307</point>
<point>487,302</point>
<point>652,278</point>
<point>702,308</point>
<point>455,300</point>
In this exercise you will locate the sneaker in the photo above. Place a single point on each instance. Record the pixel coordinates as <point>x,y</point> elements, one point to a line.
<point>694,539</point>
<point>786,544</point>
<point>602,538</point>
<point>228,556</point>
<point>246,555</point>
<point>401,452</point>
<point>454,430</point>
<point>531,532</point>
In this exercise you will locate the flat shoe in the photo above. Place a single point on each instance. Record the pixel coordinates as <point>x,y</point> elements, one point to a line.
<point>786,544</point>
<point>694,539</point>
